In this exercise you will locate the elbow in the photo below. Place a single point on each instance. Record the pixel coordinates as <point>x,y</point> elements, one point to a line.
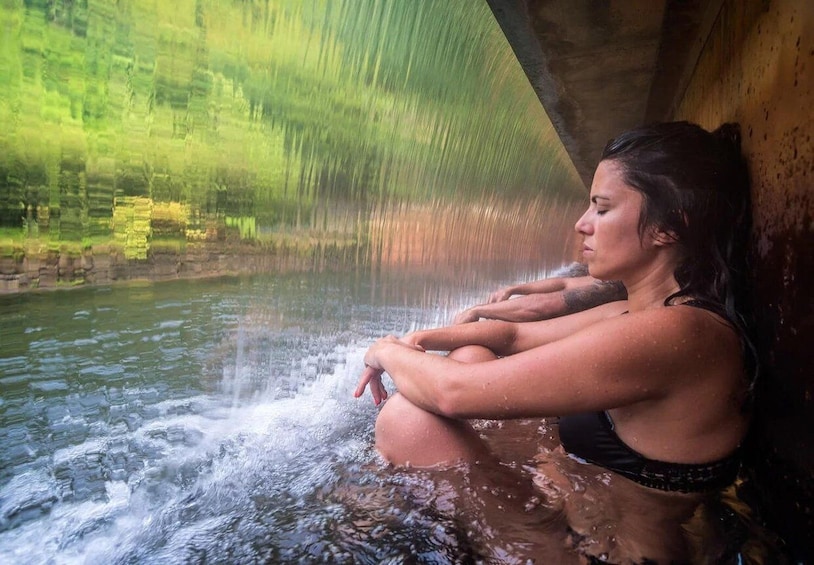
<point>450,399</point>
<point>508,344</point>
<point>449,408</point>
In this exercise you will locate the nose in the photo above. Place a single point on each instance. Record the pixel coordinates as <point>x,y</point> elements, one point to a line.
<point>583,226</point>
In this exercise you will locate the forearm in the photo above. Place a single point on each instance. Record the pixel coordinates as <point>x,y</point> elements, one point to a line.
<point>533,287</point>
<point>598,292</point>
<point>540,286</point>
<point>529,308</point>
<point>493,334</point>
<point>419,377</point>
<point>436,383</point>
<point>551,285</point>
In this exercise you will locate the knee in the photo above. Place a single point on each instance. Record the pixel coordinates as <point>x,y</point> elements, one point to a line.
<point>396,426</point>
<point>409,435</point>
<point>472,354</point>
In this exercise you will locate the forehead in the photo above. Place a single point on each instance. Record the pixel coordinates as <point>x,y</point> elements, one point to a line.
<point>609,182</point>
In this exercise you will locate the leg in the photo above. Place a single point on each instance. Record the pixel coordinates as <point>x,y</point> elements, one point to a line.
<point>409,435</point>
<point>499,501</point>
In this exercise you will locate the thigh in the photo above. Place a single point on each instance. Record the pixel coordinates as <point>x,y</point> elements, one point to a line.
<point>409,435</point>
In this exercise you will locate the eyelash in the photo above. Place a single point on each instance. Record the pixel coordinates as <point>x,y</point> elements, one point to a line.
<point>596,207</point>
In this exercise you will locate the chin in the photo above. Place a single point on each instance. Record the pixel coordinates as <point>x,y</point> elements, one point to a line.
<point>599,274</point>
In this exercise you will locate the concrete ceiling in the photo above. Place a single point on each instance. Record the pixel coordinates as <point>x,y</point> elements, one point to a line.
<point>600,67</point>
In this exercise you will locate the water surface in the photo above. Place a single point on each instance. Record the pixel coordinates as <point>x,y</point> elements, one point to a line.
<point>183,420</point>
<point>213,421</point>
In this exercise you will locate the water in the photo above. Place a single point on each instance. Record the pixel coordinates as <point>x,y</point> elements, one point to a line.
<point>160,422</point>
<point>390,163</point>
<point>147,139</point>
<point>213,420</point>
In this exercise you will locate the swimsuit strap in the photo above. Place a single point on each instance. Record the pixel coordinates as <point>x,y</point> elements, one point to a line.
<point>708,305</point>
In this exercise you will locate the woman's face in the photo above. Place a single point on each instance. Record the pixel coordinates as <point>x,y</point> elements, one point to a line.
<point>612,247</point>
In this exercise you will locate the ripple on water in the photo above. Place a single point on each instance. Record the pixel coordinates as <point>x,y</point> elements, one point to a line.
<point>235,438</point>
<point>49,386</point>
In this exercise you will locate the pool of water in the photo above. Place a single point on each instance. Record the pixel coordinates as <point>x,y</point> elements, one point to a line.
<point>213,421</point>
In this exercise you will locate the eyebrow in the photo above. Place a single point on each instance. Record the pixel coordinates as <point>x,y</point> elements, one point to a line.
<point>598,197</point>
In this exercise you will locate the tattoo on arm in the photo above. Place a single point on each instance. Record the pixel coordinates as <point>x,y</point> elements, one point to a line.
<point>573,270</point>
<point>601,292</point>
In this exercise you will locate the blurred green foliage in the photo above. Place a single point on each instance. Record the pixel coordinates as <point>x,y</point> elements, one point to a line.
<point>130,122</point>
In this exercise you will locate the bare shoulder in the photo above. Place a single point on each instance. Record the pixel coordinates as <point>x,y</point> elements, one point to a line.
<point>620,360</point>
<point>689,323</point>
<point>678,339</point>
<point>679,327</point>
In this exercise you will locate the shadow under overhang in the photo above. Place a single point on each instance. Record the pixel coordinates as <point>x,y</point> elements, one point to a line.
<point>601,67</point>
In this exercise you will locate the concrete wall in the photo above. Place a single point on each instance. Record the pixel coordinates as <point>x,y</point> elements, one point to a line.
<point>757,68</point>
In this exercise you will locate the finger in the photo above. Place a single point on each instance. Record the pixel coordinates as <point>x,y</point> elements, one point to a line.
<point>367,374</point>
<point>360,388</point>
<point>374,389</point>
<point>377,389</point>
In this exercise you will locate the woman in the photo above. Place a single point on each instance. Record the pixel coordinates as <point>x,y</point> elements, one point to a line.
<point>655,388</point>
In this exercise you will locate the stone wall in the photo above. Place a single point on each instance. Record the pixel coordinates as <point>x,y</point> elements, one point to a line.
<point>757,68</point>
<point>51,269</point>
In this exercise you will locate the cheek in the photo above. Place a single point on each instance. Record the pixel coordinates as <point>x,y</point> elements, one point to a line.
<point>618,236</point>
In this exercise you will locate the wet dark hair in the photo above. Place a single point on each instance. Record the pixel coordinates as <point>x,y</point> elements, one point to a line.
<point>695,188</point>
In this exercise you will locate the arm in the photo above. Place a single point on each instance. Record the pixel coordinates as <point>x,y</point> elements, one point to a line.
<point>616,362</point>
<point>534,287</point>
<point>508,338</point>
<point>503,338</point>
<point>528,308</point>
<point>545,299</point>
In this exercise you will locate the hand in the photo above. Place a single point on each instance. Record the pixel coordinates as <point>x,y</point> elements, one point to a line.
<point>468,315</point>
<point>412,340</point>
<point>501,294</point>
<point>372,375</point>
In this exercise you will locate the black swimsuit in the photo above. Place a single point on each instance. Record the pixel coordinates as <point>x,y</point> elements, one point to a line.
<point>592,437</point>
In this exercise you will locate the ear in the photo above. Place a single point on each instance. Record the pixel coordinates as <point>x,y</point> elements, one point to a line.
<point>662,238</point>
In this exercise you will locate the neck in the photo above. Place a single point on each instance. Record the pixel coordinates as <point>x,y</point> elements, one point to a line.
<point>651,289</point>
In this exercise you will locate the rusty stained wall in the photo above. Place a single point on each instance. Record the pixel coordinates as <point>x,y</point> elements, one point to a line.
<point>757,68</point>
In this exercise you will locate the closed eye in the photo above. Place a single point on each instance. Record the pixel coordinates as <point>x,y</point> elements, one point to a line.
<point>595,201</point>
